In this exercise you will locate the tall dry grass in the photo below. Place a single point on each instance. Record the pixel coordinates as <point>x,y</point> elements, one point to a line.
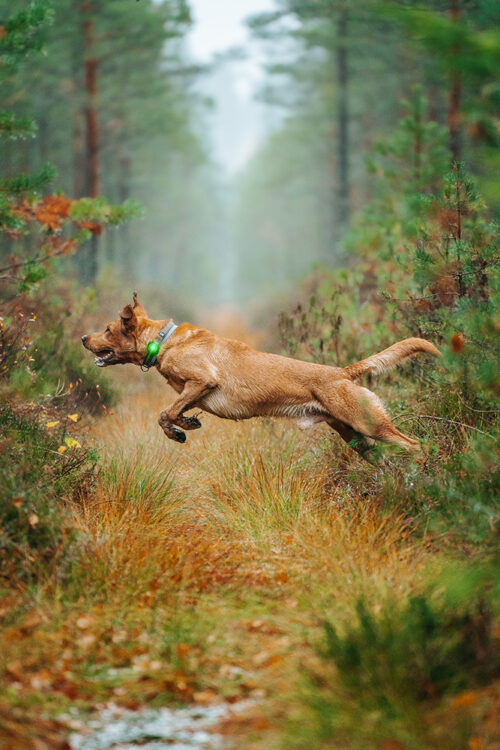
<point>239,501</point>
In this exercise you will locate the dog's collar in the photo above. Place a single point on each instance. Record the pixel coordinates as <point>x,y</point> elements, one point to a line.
<point>153,348</point>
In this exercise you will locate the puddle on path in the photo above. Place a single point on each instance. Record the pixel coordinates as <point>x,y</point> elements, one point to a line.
<point>156,729</point>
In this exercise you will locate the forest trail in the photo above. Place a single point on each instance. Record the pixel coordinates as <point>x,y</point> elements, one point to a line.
<point>257,573</point>
<point>224,555</point>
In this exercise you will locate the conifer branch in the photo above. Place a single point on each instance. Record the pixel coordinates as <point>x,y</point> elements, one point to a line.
<point>14,127</point>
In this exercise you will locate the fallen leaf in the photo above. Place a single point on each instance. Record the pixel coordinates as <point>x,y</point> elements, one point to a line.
<point>62,448</point>
<point>263,658</point>
<point>260,723</point>
<point>391,745</point>
<point>33,520</point>
<point>262,626</point>
<point>14,671</point>
<point>72,443</point>
<point>32,620</point>
<point>86,640</point>
<point>140,664</point>
<point>16,502</point>
<point>180,681</point>
<point>12,634</point>
<point>204,697</point>
<point>254,625</point>
<point>50,425</point>
<point>182,650</point>
<point>131,703</point>
<point>73,417</point>
<point>41,679</point>
<point>67,688</point>
<point>85,621</point>
<point>258,693</point>
<point>463,700</point>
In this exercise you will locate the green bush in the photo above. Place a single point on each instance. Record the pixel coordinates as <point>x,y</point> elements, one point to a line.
<point>41,354</point>
<point>382,678</point>
<point>36,479</point>
<point>414,654</point>
<point>457,497</point>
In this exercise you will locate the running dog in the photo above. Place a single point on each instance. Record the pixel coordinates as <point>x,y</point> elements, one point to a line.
<point>233,381</point>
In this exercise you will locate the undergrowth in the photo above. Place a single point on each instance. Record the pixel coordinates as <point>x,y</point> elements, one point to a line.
<point>37,477</point>
<point>41,357</point>
<point>207,572</point>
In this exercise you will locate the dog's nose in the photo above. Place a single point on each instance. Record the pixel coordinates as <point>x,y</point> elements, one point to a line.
<point>84,339</point>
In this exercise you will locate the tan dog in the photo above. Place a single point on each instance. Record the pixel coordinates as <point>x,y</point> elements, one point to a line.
<point>229,379</point>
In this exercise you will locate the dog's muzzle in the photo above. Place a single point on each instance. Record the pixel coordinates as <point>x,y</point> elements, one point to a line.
<point>104,357</point>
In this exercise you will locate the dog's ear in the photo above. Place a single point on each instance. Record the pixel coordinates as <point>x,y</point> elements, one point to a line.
<point>138,308</point>
<point>128,319</point>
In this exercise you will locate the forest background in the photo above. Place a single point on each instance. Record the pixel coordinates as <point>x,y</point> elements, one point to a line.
<point>368,213</point>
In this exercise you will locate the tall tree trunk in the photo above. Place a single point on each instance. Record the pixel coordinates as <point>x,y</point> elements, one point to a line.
<point>328,199</point>
<point>417,138</point>
<point>121,236</point>
<point>76,148</point>
<point>343,202</point>
<point>455,92</point>
<point>43,139</point>
<point>91,127</point>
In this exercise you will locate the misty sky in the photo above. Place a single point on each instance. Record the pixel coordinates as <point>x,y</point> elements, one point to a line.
<point>238,122</point>
<point>219,24</point>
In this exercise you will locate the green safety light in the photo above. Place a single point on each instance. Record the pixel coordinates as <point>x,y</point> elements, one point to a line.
<point>152,350</point>
<point>154,347</point>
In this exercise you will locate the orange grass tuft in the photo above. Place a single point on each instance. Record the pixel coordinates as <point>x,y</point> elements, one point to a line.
<point>239,502</point>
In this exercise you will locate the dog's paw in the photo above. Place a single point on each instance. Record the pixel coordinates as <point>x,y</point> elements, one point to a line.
<point>178,435</point>
<point>191,423</point>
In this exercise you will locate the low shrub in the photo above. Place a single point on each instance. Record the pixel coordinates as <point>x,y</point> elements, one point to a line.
<point>395,674</point>
<point>420,652</point>
<point>40,468</point>
<point>41,355</point>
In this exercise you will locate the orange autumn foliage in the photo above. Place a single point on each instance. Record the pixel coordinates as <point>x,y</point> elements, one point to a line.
<point>457,343</point>
<point>51,211</point>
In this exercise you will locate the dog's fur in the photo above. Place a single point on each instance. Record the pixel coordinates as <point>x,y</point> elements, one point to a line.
<point>229,379</point>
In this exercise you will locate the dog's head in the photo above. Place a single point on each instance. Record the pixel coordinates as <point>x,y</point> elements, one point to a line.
<point>120,342</point>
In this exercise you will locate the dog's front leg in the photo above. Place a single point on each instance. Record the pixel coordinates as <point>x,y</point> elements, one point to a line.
<point>193,391</point>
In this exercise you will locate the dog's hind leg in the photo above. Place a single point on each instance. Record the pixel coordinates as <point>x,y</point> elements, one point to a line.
<point>359,411</point>
<point>192,392</point>
<point>355,440</point>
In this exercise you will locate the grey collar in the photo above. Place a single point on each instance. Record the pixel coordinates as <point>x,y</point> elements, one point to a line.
<point>166,332</point>
<point>153,348</point>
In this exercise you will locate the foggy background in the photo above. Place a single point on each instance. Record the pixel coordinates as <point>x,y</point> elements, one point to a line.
<point>243,130</point>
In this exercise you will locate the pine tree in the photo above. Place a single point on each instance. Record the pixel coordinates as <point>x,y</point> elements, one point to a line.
<point>20,36</point>
<point>24,214</point>
<point>143,139</point>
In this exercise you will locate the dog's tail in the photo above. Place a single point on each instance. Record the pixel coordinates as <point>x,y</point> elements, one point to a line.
<point>390,357</point>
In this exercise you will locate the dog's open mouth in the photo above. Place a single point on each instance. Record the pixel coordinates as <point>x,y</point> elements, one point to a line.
<point>104,357</point>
